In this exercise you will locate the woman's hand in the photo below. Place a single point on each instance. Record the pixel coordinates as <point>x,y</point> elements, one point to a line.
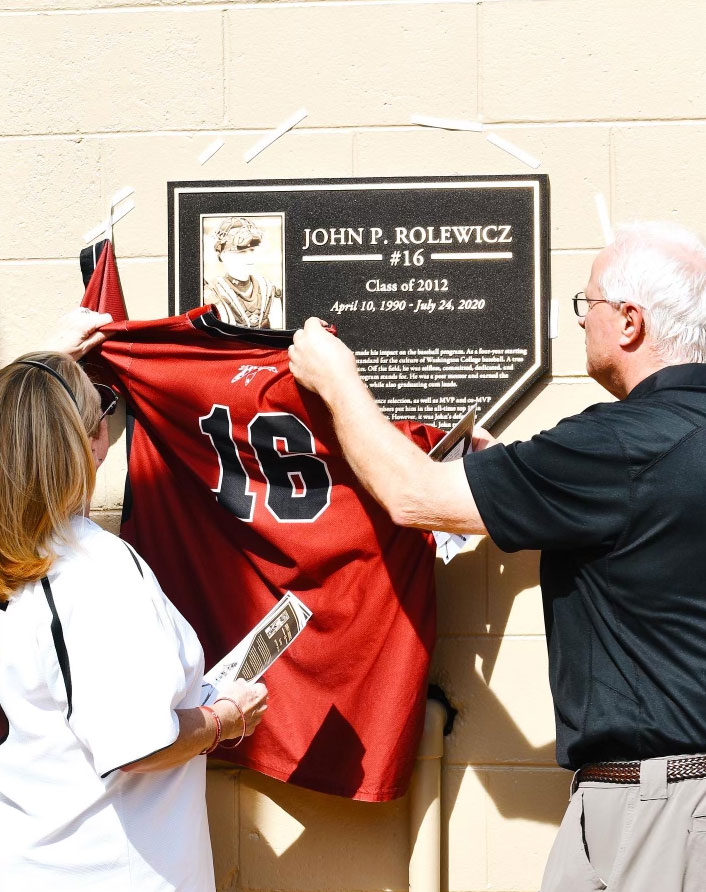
<point>251,698</point>
<point>77,332</point>
<point>196,727</point>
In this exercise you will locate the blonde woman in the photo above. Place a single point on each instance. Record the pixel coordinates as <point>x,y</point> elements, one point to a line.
<point>102,765</point>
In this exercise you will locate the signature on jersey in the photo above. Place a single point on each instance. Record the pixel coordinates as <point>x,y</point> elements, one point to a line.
<point>248,372</point>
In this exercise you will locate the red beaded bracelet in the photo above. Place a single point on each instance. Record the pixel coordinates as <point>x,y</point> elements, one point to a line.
<point>230,745</point>
<point>219,731</point>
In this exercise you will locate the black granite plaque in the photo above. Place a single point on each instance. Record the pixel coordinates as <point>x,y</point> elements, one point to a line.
<point>439,284</point>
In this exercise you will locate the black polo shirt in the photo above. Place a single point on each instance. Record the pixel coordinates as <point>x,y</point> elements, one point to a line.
<point>616,500</point>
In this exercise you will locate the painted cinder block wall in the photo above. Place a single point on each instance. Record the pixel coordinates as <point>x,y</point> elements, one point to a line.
<point>609,94</point>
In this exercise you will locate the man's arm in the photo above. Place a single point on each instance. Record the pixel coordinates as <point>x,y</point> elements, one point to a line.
<point>415,490</point>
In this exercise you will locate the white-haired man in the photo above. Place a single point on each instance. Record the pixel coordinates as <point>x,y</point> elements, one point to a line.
<point>616,500</point>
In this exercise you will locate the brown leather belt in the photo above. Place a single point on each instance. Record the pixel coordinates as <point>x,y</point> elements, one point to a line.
<point>684,768</point>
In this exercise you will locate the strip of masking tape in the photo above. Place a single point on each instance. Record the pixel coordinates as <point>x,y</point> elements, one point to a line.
<point>512,149</point>
<point>120,195</point>
<point>446,123</point>
<point>108,234</point>
<point>554,318</point>
<point>102,227</point>
<point>604,217</point>
<point>274,135</point>
<point>210,151</point>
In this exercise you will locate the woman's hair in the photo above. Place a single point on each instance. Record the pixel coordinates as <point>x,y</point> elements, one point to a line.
<point>47,473</point>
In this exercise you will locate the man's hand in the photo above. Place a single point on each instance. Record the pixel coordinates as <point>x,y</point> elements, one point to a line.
<point>77,332</point>
<point>318,360</point>
<point>482,439</point>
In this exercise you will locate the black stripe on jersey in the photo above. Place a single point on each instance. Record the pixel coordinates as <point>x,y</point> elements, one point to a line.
<point>271,337</point>
<point>88,258</point>
<point>57,633</point>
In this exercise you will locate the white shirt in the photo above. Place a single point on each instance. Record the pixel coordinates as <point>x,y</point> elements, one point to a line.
<point>69,821</point>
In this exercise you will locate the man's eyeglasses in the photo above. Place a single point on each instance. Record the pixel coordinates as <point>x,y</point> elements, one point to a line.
<point>582,304</point>
<point>109,399</point>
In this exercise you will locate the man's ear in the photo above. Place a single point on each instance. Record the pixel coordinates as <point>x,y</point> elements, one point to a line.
<point>632,324</point>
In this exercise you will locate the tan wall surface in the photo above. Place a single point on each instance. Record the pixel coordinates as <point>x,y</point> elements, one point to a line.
<point>610,95</point>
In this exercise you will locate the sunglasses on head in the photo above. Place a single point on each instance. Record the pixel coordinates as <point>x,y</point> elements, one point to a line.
<point>108,398</point>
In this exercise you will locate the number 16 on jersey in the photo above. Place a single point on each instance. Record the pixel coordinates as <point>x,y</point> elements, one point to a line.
<point>298,481</point>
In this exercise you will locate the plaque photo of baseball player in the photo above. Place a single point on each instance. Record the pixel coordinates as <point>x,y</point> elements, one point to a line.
<point>242,261</point>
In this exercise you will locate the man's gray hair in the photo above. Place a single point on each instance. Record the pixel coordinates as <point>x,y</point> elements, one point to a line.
<point>662,267</point>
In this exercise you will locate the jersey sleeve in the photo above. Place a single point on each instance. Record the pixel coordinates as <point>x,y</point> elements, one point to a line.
<point>568,487</point>
<point>103,293</point>
<point>126,670</point>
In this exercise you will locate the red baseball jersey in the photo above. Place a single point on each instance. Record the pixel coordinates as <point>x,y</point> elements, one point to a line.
<point>236,492</point>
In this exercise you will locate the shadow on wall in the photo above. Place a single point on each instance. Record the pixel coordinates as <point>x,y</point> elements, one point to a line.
<point>485,595</point>
<point>270,835</point>
<point>501,788</point>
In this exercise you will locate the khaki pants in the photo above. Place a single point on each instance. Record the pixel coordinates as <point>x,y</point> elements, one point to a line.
<point>647,837</point>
